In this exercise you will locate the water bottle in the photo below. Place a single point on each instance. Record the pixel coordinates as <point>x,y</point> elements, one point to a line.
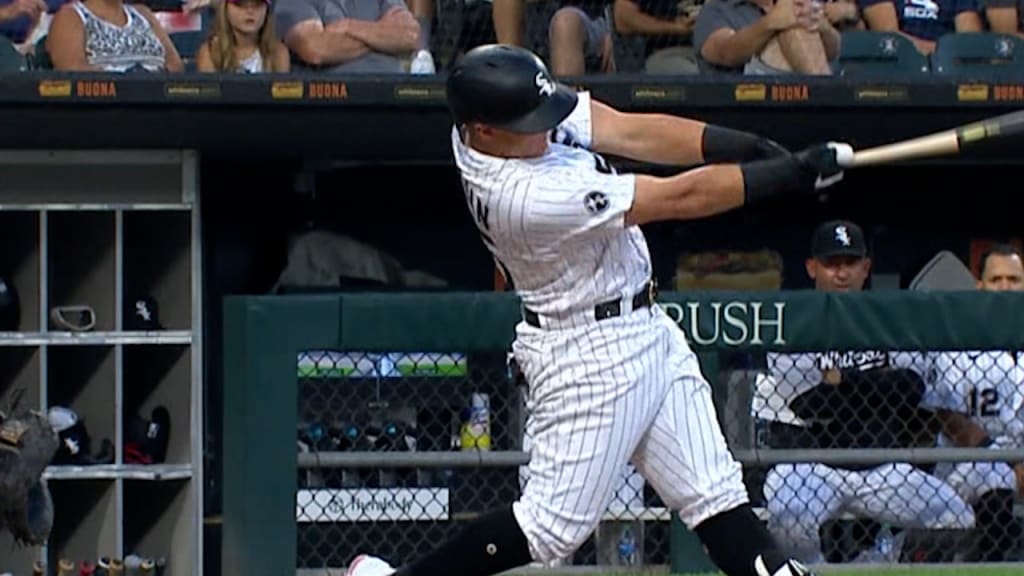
<point>884,543</point>
<point>627,548</point>
<point>476,431</point>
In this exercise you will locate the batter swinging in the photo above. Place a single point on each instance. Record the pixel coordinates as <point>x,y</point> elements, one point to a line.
<point>611,378</point>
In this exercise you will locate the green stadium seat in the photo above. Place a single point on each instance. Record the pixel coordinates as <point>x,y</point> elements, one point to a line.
<point>865,53</point>
<point>188,43</point>
<point>41,59</point>
<point>986,53</point>
<point>10,59</point>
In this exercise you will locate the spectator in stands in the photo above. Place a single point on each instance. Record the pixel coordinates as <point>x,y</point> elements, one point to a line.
<point>490,21</point>
<point>422,60</point>
<point>581,39</point>
<point>848,400</point>
<point>668,33</point>
<point>1005,16</point>
<point>923,21</point>
<point>339,36</point>
<point>978,398</point>
<point>761,38</point>
<point>110,36</point>
<point>509,21</point>
<point>844,14</point>
<point>243,40</point>
<point>18,18</point>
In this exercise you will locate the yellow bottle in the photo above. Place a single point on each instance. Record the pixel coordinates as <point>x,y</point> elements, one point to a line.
<point>476,432</point>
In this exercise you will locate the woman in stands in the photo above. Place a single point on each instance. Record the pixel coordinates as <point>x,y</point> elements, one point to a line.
<point>243,40</point>
<point>110,36</point>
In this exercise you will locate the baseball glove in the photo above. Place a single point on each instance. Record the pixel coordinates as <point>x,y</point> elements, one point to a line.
<point>27,444</point>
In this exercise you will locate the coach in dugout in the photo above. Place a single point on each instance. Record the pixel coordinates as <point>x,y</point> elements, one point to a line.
<point>841,400</point>
<point>978,397</point>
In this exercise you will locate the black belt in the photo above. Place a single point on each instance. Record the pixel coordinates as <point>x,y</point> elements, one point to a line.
<point>610,309</point>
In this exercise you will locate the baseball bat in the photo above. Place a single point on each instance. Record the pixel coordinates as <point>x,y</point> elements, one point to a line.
<point>945,143</point>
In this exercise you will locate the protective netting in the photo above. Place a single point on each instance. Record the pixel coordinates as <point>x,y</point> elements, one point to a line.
<point>406,447</point>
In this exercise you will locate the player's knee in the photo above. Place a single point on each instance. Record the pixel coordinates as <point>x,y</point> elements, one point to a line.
<point>553,535</point>
<point>565,543</point>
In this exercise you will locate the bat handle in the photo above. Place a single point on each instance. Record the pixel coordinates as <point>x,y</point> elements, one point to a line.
<point>844,154</point>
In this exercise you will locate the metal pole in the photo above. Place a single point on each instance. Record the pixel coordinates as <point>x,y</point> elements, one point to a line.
<point>500,459</point>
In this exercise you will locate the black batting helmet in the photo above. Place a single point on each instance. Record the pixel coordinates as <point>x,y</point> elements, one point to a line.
<point>509,88</point>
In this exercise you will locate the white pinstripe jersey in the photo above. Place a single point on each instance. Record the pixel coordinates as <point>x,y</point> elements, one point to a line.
<point>555,223</point>
<point>986,386</point>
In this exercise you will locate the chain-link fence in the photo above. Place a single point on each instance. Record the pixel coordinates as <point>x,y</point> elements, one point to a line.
<point>457,424</point>
<point>402,448</point>
<point>883,491</point>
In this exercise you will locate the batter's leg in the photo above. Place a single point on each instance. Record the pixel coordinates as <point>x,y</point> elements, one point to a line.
<point>583,432</point>
<point>800,499</point>
<point>686,459</point>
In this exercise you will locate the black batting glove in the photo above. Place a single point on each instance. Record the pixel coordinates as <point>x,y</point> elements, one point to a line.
<point>804,172</point>
<point>822,163</point>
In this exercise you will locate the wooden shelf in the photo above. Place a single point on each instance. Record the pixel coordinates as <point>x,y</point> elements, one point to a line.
<point>103,229</point>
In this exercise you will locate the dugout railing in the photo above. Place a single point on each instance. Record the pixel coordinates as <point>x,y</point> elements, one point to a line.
<point>352,422</point>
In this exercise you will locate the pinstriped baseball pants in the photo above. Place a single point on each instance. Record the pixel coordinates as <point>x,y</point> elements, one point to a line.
<point>623,390</point>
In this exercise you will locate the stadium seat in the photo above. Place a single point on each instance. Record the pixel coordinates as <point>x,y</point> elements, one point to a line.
<point>864,53</point>
<point>40,60</point>
<point>10,59</point>
<point>978,52</point>
<point>628,53</point>
<point>187,43</point>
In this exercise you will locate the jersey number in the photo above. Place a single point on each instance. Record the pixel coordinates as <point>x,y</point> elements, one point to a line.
<point>984,402</point>
<point>482,215</point>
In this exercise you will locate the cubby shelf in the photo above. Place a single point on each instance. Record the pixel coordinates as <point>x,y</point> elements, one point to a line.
<point>155,472</point>
<point>94,338</point>
<point>118,232</point>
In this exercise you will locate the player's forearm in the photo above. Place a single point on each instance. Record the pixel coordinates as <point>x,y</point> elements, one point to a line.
<point>961,430</point>
<point>693,194</point>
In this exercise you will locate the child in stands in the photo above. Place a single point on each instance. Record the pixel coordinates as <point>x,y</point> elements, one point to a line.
<point>243,40</point>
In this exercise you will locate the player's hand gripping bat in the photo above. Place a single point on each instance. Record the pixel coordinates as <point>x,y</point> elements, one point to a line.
<point>944,143</point>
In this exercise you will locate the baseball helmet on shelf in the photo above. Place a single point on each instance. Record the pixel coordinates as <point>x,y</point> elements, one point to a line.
<point>507,87</point>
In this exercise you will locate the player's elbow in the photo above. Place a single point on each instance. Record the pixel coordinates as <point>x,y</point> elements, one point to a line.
<point>690,195</point>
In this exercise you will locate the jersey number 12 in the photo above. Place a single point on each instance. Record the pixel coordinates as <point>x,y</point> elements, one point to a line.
<point>984,402</point>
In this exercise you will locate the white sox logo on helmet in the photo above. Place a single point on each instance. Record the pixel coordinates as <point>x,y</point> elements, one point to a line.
<point>545,87</point>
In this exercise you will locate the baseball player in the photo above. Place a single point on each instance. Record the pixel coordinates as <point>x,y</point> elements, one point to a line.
<point>611,378</point>
<point>978,396</point>
<point>856,399</point>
